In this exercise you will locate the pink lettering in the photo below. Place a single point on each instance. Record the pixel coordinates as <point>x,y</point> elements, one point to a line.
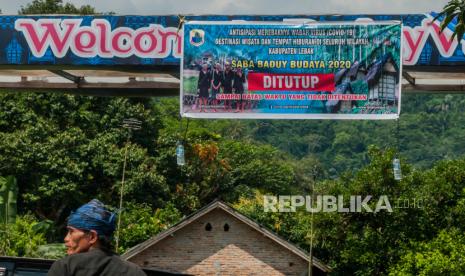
<point>118,42</point>
<point>155,41</point>
<point>63,35</point>
<point>145,42</point>
<point>168,38</point>
<point>103,27</point>
<point>40,40</point>
<point>416,39</point>
<point>446,45</point>
<point>85,41</point>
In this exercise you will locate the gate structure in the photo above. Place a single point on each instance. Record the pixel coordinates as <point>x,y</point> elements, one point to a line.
<point>140,55</point>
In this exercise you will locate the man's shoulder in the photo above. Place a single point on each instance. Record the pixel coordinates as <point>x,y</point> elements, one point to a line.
<point>108,263</point>
<point>127,267</point>
<point>76,259</point>
<point>131,266</point>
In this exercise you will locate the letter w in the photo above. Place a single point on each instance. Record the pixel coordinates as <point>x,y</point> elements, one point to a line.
<point>47,33</point>
<point>446,45</point>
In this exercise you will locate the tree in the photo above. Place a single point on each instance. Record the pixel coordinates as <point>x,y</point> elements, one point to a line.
<point>140,223</point>
<point>351,242</point>
<point>65,150</point>
<point>216,167</point>
<point>55,6</point>
<point>453,9</point>
<point>21,238</point>
<point>8,199</point>
<point>441,256</point>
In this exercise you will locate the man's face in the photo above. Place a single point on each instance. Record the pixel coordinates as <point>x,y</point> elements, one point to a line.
<point>77,241</point>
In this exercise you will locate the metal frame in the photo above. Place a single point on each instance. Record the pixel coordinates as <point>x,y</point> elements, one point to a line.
<point>91,82</point>
<point>140,82</point>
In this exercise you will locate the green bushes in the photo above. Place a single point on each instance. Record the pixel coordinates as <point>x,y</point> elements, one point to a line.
<point>21,238</point>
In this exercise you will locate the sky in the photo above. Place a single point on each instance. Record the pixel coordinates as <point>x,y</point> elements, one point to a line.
<point>166,7</point>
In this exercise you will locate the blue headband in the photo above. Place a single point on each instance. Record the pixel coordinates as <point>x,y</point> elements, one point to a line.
<point>93,216</point>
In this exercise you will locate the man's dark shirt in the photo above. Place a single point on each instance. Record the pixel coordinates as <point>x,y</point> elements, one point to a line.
<point>204,80</point>
<point>228,77</point>
<point>217,77</point>
<point>94,263</point>
<point>239,83</point>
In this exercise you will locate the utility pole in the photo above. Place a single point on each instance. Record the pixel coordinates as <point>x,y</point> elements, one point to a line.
<point>310,263</point>
<point>130,124</point>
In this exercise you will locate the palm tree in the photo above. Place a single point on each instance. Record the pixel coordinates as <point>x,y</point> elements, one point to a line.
<point>453,9</point>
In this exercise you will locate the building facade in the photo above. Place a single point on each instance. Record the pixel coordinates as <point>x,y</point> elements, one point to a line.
<point>217,240</point>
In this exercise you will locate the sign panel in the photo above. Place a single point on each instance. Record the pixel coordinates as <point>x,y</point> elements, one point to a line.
<point>89,40</point>
<point>102,40</point>
<point>291,71</point>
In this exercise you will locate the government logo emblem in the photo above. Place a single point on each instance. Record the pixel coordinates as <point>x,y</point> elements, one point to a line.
<point>197,37</point>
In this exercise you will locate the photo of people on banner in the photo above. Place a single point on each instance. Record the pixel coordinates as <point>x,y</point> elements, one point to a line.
<point>219,88</point>
<point>349,71</point>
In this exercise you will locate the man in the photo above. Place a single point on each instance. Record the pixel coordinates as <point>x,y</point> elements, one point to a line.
<point>228,76</point>
<point>238,88</point>
<point>88,245</point>
<point>217,79</point>
<point>203,87</point>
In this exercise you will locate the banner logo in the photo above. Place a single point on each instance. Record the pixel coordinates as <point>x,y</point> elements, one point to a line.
<point>197,37</point>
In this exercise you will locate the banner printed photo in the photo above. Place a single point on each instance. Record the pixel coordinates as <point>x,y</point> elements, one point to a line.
<point>291,71</point>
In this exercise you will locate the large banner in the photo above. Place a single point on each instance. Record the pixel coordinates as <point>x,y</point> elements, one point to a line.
<point>291,70</point>
<point>146,41</point>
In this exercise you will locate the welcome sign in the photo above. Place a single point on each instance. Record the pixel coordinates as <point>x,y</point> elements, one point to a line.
<point>156,40</point>
<point>90,40</point>
<point>291,71</point>
<point>68,36</point>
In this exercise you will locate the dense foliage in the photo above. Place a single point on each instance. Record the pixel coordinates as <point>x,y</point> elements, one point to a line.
<point>140,223</point>
<point>65,150</point>
<point>22,238</point>
<point>421,236</point>
<point>55,6</point>
<point>454,10</point>
<point>429,130</point>
<point>441,256</point>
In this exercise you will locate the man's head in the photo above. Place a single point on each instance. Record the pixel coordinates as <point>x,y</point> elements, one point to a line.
<point>88,227</point>
<point>205,66</point>
<point>78,240</point>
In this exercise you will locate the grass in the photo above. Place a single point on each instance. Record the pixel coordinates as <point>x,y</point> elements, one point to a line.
<point>190,85</point>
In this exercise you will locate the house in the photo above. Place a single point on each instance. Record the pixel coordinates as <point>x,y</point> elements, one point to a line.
<point>218,240</point>
<point>382,79</point>
<point>379,82</point>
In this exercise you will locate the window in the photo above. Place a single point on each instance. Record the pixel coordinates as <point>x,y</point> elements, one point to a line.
<point>385,89</point>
